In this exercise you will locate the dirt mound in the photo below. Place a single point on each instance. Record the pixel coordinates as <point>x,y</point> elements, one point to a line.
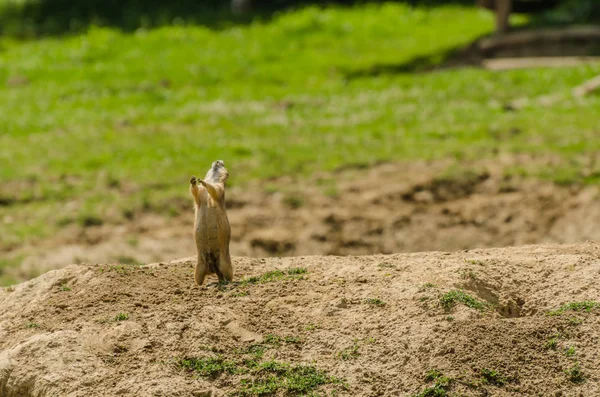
<point>499,322</point>
<point>389,208</point>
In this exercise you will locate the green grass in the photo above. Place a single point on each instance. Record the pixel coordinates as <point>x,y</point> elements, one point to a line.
<point>374,302</point>
<point>121,317</point>
<point>275,275</point>
<point>272,376</point>
<point>453,297</point>
<point>105,125</point>
<point>575,374</point>
<point>440,387</point>
<point>349,353</point>
<point>261,378</point>
<point>586,306</point>
<point>570,351</point>
<point>489,376</point>
<point>552,343</point>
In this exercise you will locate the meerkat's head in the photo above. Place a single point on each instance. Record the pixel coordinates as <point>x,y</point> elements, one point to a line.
<point>217,172</point>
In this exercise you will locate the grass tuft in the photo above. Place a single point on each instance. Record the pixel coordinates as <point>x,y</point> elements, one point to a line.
<point>374,302</point>
<point>492,377</point>
<point>575,374</point>
<point>208,367</point>
<point>586,306</point>
<point>453,297</point>
<point>121,317</point>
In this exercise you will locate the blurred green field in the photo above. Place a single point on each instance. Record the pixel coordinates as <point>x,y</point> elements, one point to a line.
<point>98,126</point>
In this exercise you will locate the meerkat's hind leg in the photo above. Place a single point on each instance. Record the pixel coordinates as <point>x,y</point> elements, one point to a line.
<point>225,268</point>
<point>200,271</point>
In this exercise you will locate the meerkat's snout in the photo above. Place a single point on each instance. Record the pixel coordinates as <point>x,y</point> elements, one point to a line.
<point>218,163</point>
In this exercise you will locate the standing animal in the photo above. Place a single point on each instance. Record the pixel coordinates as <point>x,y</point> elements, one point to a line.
<point>211,226</point>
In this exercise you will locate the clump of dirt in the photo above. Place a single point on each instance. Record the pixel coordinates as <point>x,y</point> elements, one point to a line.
<point>504,322</point>
<point>388,208</point>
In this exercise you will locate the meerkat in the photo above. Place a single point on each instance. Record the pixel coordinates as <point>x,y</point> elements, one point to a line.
<point>211,226</point>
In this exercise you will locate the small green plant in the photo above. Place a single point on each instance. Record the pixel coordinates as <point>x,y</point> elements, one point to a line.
<point>552,343</point>
<point>427,286</point>
<point>449,318</point>
<point>570,351</point>
<point>310,327</point>
<point>586,306</point>
<point>275,275</point>
<point>492,377</point>
<point>64,287</point>
<point>575,321</point>
<point>451,298</point>
<point>468,274</point>
<point>240,294</point>
<point>293,201</point>
<point>350,352</point>
<point>128,260</point>
<point>121,317</point>
<point>575,374</point>
<point>374,302</point>
<point>296,270</point>
<point>272,339</point>
<point>209,367</point>
<point>256,349</point>
<point>292,339</point>
<point>274,377</point>
<point>32,325</point>
<point>474,262</point>
<point>440,387</point>
<point>433,374</point>
<point>386,265</point>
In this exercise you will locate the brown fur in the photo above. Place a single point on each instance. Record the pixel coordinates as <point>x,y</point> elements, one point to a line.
<point>211,226</point>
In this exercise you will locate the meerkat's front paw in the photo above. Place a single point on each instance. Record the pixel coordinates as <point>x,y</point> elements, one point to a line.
<point>201,182</point>
<point>193,180</point>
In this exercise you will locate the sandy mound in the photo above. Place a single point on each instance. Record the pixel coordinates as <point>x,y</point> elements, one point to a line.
<point>368,326</point>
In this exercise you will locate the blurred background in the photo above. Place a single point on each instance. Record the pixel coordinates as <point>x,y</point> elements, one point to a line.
<point>348,128</point>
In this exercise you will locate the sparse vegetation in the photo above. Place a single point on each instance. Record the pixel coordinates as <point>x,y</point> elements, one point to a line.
<point>121,317</point>
<point>261,378</point>
<point>552,343</point>
<point>271,377</point>
<point>453,297</point>
<point>350,352</point>
<point>570,351</point>
<point>440,387</point>
<point>586,306</point>
<point>292,339</point>
<point>492,377</point>
<point>374,302</point>
<point>426,287</point>
<point>310,327</point>
<point>474,262</point>
<point>276,275</point>
<point>208,367</point>
<point>32,324</point>
<point>575,374</point>
<point>65,288</point>
<point>297,270</point>
<point>293,201</point>
<point>468,274</point>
